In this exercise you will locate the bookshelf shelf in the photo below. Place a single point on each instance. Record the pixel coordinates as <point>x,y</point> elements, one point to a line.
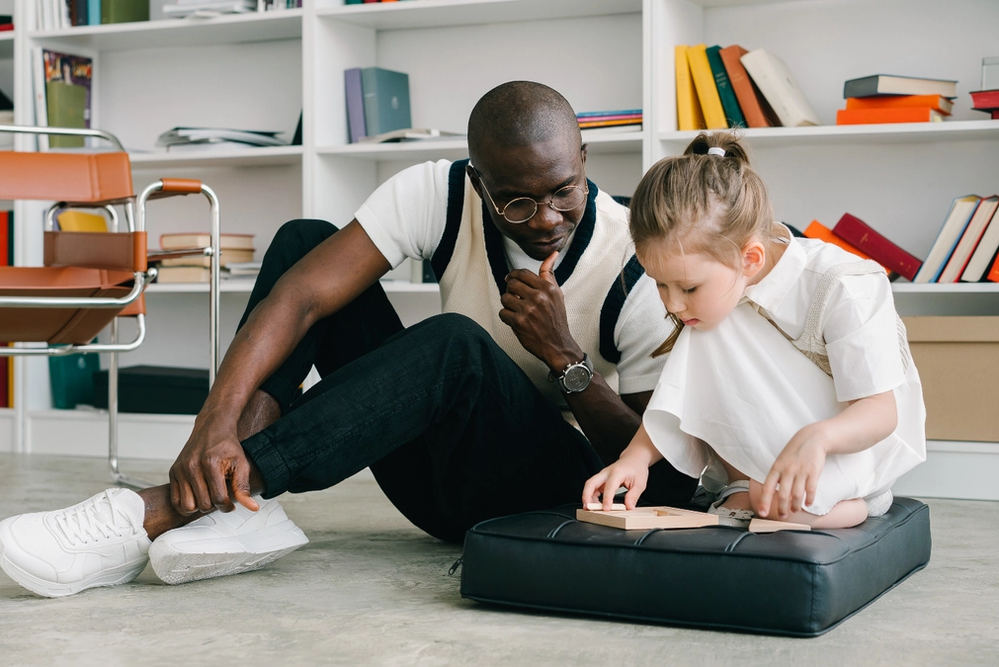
<point>841,135</point>
<point>240,157</point>
<point>947,288</point>
<point>173,33</point>
<point>443,13</point>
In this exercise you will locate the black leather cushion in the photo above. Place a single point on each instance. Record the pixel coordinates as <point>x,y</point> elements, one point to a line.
<point>795,583</point>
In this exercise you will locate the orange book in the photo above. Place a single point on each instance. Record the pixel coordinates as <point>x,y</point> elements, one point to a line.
<point>935,102</point>
<point>816,230</point>
<point>994,272</point>
<point>754,106</point>
<point>903,115</point>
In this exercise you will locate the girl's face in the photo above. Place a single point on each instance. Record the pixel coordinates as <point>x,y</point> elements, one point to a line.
<point>698,289</point>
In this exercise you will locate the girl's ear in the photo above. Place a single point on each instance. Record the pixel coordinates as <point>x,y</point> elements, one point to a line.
<point>754,257</point>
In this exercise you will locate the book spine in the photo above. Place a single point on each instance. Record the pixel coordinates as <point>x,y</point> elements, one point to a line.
<point>688,109</point>
<point>616,112</point>
<point>863,236</point>
<point>94,12</point>
<point>733,115</point>
<point>902,115</point>
<point>743,87</point>
<point>935,102</point>
<point>993,275</point>
<point>355,104</point>
<point>707,92</point>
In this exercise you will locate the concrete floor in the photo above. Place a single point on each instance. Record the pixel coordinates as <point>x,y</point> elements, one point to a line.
<point>370,589</point>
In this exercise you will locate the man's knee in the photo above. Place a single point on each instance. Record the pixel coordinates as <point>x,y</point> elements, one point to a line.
<point>453,331</point>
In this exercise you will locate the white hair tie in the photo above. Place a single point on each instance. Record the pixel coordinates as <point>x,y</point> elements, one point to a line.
<point>714,150</point>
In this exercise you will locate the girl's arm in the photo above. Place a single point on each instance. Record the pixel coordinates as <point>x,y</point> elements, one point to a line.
<point>630,470</point>
<point>864,423</point>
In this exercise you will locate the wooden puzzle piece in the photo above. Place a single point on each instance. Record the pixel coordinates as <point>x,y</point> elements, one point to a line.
<point>768,526</point>
<point>645,518</point>
<point>596,507</point>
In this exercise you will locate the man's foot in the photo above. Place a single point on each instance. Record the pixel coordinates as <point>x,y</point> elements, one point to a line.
<point>223,543</point>
<point>99,542</point>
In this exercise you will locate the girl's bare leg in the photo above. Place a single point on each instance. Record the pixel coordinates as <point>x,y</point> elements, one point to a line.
<point>844,514</point>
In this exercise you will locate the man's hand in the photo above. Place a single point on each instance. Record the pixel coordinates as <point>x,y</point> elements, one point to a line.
<point>211,472</point>
<point>797,471</point>
<point>534,308</point>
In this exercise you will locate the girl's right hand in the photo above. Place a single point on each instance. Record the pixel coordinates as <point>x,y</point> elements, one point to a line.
<point>631,470</point>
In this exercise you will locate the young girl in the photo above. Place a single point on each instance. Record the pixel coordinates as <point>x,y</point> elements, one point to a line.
<point>789,375</point>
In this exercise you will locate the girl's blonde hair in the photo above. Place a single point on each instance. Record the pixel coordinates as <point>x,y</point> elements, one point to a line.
<point>701,202</point>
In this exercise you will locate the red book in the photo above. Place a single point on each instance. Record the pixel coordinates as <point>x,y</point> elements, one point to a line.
<point>901,115</point>
<point>985,99</point>
<point>855,231</point>
<point>816,230</point>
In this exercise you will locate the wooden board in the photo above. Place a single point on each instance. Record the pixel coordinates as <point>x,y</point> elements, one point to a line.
<point>768,526</point>
<point>646,518</point>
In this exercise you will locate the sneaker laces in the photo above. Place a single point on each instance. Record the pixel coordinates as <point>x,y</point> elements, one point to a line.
<point>93,520</point>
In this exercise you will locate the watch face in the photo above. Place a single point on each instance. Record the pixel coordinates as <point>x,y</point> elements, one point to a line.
<point>577,378</point>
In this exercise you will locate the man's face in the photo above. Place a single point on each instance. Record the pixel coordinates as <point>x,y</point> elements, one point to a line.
<point>537,171</point>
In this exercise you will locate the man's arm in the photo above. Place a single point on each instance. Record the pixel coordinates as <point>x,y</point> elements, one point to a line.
<point>328,278</point>
<point>535,309</point>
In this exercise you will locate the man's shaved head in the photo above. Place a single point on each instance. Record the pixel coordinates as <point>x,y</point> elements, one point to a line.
<point>520,113</point>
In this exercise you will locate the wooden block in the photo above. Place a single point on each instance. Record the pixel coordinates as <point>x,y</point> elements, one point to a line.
<point>596,507</point>
<point>768,526</point>
<point>646,518</point>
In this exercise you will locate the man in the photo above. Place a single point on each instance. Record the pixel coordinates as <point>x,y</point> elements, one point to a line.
<point>549,324</point>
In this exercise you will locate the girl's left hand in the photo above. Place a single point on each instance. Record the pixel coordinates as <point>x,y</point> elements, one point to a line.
<point>796,471</point>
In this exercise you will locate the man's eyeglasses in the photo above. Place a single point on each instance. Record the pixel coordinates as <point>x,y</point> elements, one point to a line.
<point>522,209</point>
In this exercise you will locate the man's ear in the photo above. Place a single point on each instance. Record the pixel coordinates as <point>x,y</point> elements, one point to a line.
<point>583,149</point>
<point>754,257</point>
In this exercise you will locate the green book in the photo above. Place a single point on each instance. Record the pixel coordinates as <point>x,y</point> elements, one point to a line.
<point>67,107</point>
<point>124,11</point>
<point>733,114</point>
<point>72,380</point>
<point>386,100</point>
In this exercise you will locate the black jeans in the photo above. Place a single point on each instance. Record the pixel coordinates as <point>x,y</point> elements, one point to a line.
<point>452,428</point>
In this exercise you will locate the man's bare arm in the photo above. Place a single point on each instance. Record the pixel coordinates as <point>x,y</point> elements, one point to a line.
<point>325,280</point>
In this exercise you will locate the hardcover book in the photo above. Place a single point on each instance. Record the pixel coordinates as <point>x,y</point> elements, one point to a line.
<point>754,106</point>
<point>890,84</point>
<point>386,100</point>
<point>900,115</point>
<point>124,11</point>
<point>707,91</point>
<point>984,254</point>
<point>688,108</point>
<point>984,100</point>
<point>733,115</point>
<point>816,230</point>
<point>355,104</point>
<point>961,210</point>
<point>955,266</point>
<point>65,94</point>
<point>775,81</point>
<point>203,239</point>
<point>889,255</point>
<point>935,102</point>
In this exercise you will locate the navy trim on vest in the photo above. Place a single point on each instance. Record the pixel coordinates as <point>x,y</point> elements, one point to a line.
<point>580,241</point>
<point>455,205</point>
<point>611,310</point>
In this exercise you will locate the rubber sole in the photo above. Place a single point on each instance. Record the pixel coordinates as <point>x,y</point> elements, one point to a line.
<point>50,589</point>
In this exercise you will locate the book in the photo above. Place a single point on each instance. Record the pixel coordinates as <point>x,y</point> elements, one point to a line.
<point>993,275</point>
<point>816,230</point>
<point>707,91</point>
<point>610,123</point>
<point>936,102</point>
<point>889,255</point>
<point>580,115</point>
<point>733,115</point>
<point>969,240</point>
<point>184,274</point>
<point>984,100</point>
<point>227,256</point>
<point>409,134</point>
<point>688,108</point>
<point>124,11</point>
<point>774,79</point>
<point>71,378</point>
<point>64,97</point>
<point>227,241</point>
<point>355,104</point>
<point>386,100</point>
<point>94,11</point>
<point>954,224</point>
<point>176,136</point>
<point>754,106</point>
<point>72,220</point>
<point>984,254</point>
<point>901,115</point>
<point>891,84</point>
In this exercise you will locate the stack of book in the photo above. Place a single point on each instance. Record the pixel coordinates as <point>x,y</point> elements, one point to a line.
<point>856,236</point>
<point>208,8</point>
<point>206,138</point>
<point>235,258</point>
<point>621,120</point>
<point>719,88</point>
<point>58,14</point>
<point>987,101</point>
<point>886,98</point>
<point>967,244</point>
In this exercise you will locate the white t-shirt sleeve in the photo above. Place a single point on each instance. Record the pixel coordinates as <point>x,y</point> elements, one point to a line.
<point>406,215</point>
<point>641,328</point>
<point>861,335</point>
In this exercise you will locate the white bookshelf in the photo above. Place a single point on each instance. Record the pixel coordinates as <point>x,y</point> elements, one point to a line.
<point>259,71</point>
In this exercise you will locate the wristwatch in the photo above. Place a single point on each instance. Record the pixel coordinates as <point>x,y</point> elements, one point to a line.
<point>576,376</point>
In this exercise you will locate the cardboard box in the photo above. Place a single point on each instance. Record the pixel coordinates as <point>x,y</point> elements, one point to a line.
<point>155,389</point>
<point>958,363</point>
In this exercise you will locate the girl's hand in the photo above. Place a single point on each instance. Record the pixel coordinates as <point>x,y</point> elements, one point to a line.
<point>796,471</point>
<point>624,472</point>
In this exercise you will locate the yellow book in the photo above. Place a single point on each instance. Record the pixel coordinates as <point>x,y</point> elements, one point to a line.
<point>707,92</point>
<point>688,108</point>
<point>79,221</point>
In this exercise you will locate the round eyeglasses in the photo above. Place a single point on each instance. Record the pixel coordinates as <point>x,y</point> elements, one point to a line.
<point>522,209</point>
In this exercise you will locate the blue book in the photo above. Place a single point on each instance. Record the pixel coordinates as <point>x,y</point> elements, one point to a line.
<point>386,100</point>
<point>355,104</point>
<point>93,12</point>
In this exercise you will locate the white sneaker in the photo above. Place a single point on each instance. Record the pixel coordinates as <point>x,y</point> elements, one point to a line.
<point>223,543</point>
<point>99,542</point>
